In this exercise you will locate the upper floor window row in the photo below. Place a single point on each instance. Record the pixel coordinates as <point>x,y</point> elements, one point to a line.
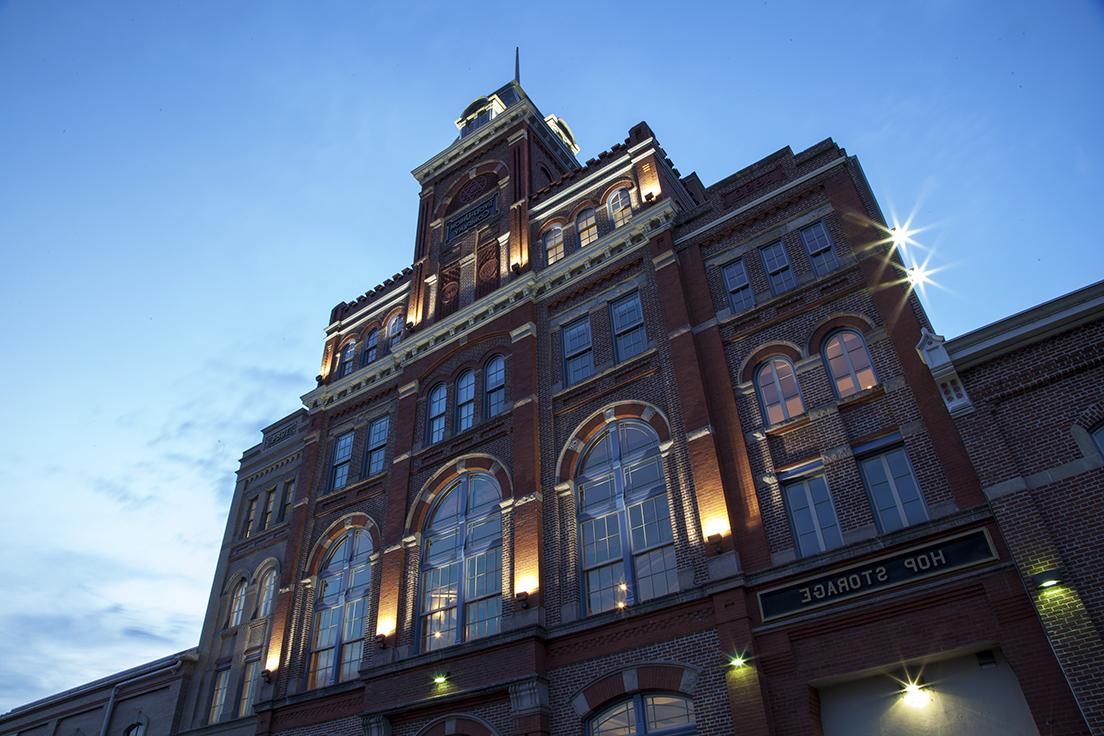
<point>266,595</point>
<point>849,366</point>
<point>630,338</point>
<point>619,211</point>
<point>473,393</point>
<point>265,510</point>
<point>342,452</point>
<point>370,351</point>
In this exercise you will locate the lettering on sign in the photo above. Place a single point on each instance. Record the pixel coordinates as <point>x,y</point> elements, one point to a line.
<point>473,217</point>
<point>935,558</point>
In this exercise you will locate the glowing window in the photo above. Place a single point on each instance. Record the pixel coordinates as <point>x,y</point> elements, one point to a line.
<point>337,637</point>
<point>849,363</point>
<point>461,591</point>
<point>394,331</point>
<point>586,225</point>
<point>645,714</point>
<point>553,245</point>
<point>625,535</point>
<point>779,394</point>
<point>620,207</point>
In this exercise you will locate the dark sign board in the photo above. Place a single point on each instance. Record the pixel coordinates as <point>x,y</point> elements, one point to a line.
<point>934,558</point>
<point>473,217</point>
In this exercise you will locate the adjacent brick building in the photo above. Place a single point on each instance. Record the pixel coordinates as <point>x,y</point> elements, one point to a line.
<point>620,453</point>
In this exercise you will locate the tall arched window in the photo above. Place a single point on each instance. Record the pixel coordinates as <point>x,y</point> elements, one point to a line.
<point>461,594</point>
<point>669,715</point>
<point>779,394</point>
<point>849,363</point>
<point>494,386</point>
<point>347,361</point>
<point>628,553</point>
<point>341,600</point>
<point>371,347</point>
<point>465,401</point>
<point>620,207</point>
<point>586,225</point>
<point>394,332</point>
<point>435,413</point>
<point>267,594</point>
<point>237,604</point>
<point>553,245</point>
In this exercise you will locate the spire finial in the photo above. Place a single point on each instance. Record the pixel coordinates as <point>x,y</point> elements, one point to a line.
<point>517,64</point>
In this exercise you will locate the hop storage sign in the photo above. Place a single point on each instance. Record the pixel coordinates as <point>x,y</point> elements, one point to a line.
<point>936,558</point>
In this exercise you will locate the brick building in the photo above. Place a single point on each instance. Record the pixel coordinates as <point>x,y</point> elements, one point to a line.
<point>621,454</point>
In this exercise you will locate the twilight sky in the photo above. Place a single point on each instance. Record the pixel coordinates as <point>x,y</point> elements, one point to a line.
<point>187,188</point>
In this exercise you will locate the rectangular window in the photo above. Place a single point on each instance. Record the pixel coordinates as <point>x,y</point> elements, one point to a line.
<point>325,639</point>
<point>496,387</point>
<point>587,226</point>
<point>266,512</point>
<point>249,518</point>
<point>218,696</point>
<point>653,553</point>
<point>289,496</point>
<point>483,594</point>
<point>377,443</point>
<point>778,267</point>
<point>628,327</point>
<point>605,582</point>
<point>352,638</point>
<point>249,683</point>
<point>819,245</point>
<point>578,356</point>
<point>893,490</point>
<point>440,588</point>
<point>812,515</point>
<point>738,287</point>
<point>343,450</point>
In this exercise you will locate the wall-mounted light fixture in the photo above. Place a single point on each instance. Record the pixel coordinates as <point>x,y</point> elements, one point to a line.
<point>516,267</point>
<point>266,675</point>
<point>915,693</point>
<point>715,542</point>
<point>522,599</point>
<point>737,661</point>
<point>440,678</point>
<point>381,641</point>
<point>1048,578</point>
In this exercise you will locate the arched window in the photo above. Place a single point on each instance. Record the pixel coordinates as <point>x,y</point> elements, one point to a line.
<point>340,608</point>
<point>465,401</point>
<point>620,207</point>
<point>779,395</point>
<point>628,553</point>
<point>237,604</point>
<point>435,410</point>
<point>849,363</point>
<point>645,714</point>
<point>346,363</point>
<point>371,347</point>
<point>553,245</point>
<point>461,595</point>
<point>394,332</point>
<point>494,386</point>
<point>267,594</point>
<point>586,225</point>
<point>135,729</point>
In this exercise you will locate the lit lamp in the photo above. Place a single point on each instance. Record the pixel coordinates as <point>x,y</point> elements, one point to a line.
<point>440,678</point>
<point>737,661</point>
<point>915,694</point>
<point>1048,578</point>
<point>522,599</point>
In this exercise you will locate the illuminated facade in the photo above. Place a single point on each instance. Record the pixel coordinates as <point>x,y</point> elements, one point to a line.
<point>620,453</point>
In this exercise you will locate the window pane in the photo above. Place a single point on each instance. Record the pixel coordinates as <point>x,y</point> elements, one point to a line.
<point>322,668</point>
<point>553,245</point>
<point>481,532</point>
<point>649,523</point>
<point>631,343</point>
<point>620,207</point>
<point>483,494</point>
<point>665,711</point>
<point>576,336</point>
<point>465,387</point>
<point>448,509</point>
<point>375,461</point>
<point>598,457</point>
<point>580,367</point>
<point>377,434</point>
<point>483,617</point>
<point>443,547</point>
<point>249,679</point>
<point>587,227</point>
<point>626,313</point>
<point>656,573</point>
<point>351,654</point>
<point>617,721</point>
<point>439,629</point>
<point>739,289</point>
<point>603,588</point>
<point>601,540</point>
<point>597,493</point>
<point>645,476</point>
<point>484,576</point>
<point>635,439</point>
<point>343,448</point>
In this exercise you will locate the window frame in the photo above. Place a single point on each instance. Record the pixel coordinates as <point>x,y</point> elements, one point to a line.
<point>623,214</point>
<point>267,508</point>
<point>620,503</point>
<point>346,360</point>
<point>624,332</point>
<point>236,612</point>
<point>494,395</point>
<point>781,271</point>
<point>376,446</point>
<point>465,401</point>
<point>731,291</point>
<point>852,373</point>
<point>464,552</point>
<point>569,356</point>
<point>590,229</point>
<point>218,696</point>
<point>394,331</point>
<point>288,499</point>
<point>640,710</point>
<point>250,672</point>
<point>341,460</point>
<point>552,240</point>
<point>763,406</point>
<point>882,454</point>
<point>822,255</point>
<point>371,347</point>
<point>249,518</point>
<point>803,482</point>
<point>433,416</point>
<point>266,593</point>
<point>347,596</point>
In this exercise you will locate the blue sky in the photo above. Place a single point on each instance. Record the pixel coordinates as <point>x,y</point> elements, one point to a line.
<point>187,188</point>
